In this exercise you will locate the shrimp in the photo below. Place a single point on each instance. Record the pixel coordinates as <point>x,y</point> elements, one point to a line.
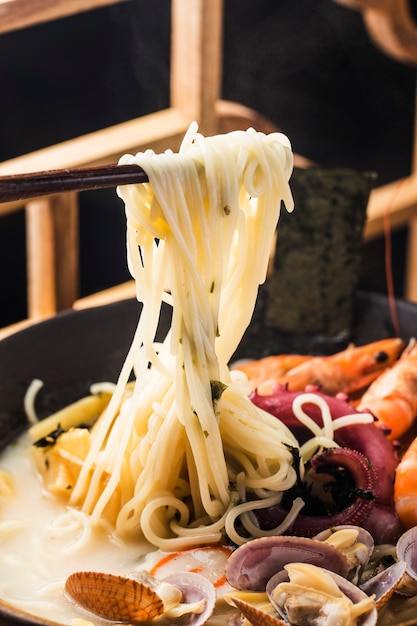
<point>263,373</point>
<point>405,487</point>
<point>392,397</point>
<point>347,371</point>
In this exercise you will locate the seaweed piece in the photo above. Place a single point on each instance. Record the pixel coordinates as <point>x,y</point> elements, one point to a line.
<point>311,289</point>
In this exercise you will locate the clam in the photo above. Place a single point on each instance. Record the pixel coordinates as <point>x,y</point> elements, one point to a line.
<point>384,584</point>
<point>355,542</point>
<point>143,598</point>
<point>255,562</point>
<point>302,595</point>
<point>306,594</point>
<point>235,620</point>
<point>407,552</point>
<point>257,616</point>
<point>198,592</point>
<point>382,557</point>
<point>118,598</point>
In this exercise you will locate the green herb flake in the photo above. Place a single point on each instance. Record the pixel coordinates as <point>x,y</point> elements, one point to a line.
<point>217,389</point>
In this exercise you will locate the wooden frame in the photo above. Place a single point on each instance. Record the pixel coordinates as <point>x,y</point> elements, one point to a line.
<point>52,222</point>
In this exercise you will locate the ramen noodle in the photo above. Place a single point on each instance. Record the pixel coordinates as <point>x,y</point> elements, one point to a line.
<point>168,458</point>
<point>174,455</point>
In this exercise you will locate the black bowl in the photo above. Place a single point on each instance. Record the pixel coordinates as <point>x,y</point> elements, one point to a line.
<point>75,349</point>
<point>68,353</point>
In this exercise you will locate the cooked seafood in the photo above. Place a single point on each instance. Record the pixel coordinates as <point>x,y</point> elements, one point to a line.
<point>347,371</point>
<point>121,599</point>
<point>264,373</point>
<point>252,565</point>
<point>392,397</point>
<point>304,592</point>
<point>386,583</point>
<point>256,609</point>
<point>142,598</point>
<point>355,542</point>
<point>365,453</point>
<point>315,595</point>
<point>407,552</point>
<point>405,487</point>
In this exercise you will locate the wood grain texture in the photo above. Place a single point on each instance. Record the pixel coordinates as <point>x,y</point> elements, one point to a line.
<point>16,14</point>
<point>40,258</point>
<point>398,199</point>
<point>196,59</point>
<point>157,131</point>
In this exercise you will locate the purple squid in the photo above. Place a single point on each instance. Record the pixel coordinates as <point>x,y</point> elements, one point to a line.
<point>365,456</point>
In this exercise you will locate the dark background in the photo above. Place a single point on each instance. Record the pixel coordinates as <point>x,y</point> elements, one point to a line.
<point>309,66</point>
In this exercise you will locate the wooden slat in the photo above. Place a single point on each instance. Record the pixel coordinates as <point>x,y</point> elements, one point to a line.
<point>66,249</point>
<point>196,59</point>
<point>52,254</point>
<point>410,288</point>
<point>40,258</point>
<point>16,14</point>
<point>414,157</point>
<point>398,199</point>
<point>392,26</point>
<point>157,131</point>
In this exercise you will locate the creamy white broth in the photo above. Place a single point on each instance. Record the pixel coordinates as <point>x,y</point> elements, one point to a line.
<point>42,543</point>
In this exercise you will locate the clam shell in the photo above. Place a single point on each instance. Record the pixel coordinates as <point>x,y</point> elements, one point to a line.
<point>195,587</point>
<point>255,616</point>
<point>384,584</point>
<point>254,563</point>
<point>407,551</point>
<point>235,620</point>
<point>115,598</point>
<point>364,536</point>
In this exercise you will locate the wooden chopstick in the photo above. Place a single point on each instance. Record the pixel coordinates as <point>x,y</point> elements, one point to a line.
<point>22,186</point>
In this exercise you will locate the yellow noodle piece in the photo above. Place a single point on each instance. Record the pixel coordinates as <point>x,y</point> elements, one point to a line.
<point>83,411</point>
